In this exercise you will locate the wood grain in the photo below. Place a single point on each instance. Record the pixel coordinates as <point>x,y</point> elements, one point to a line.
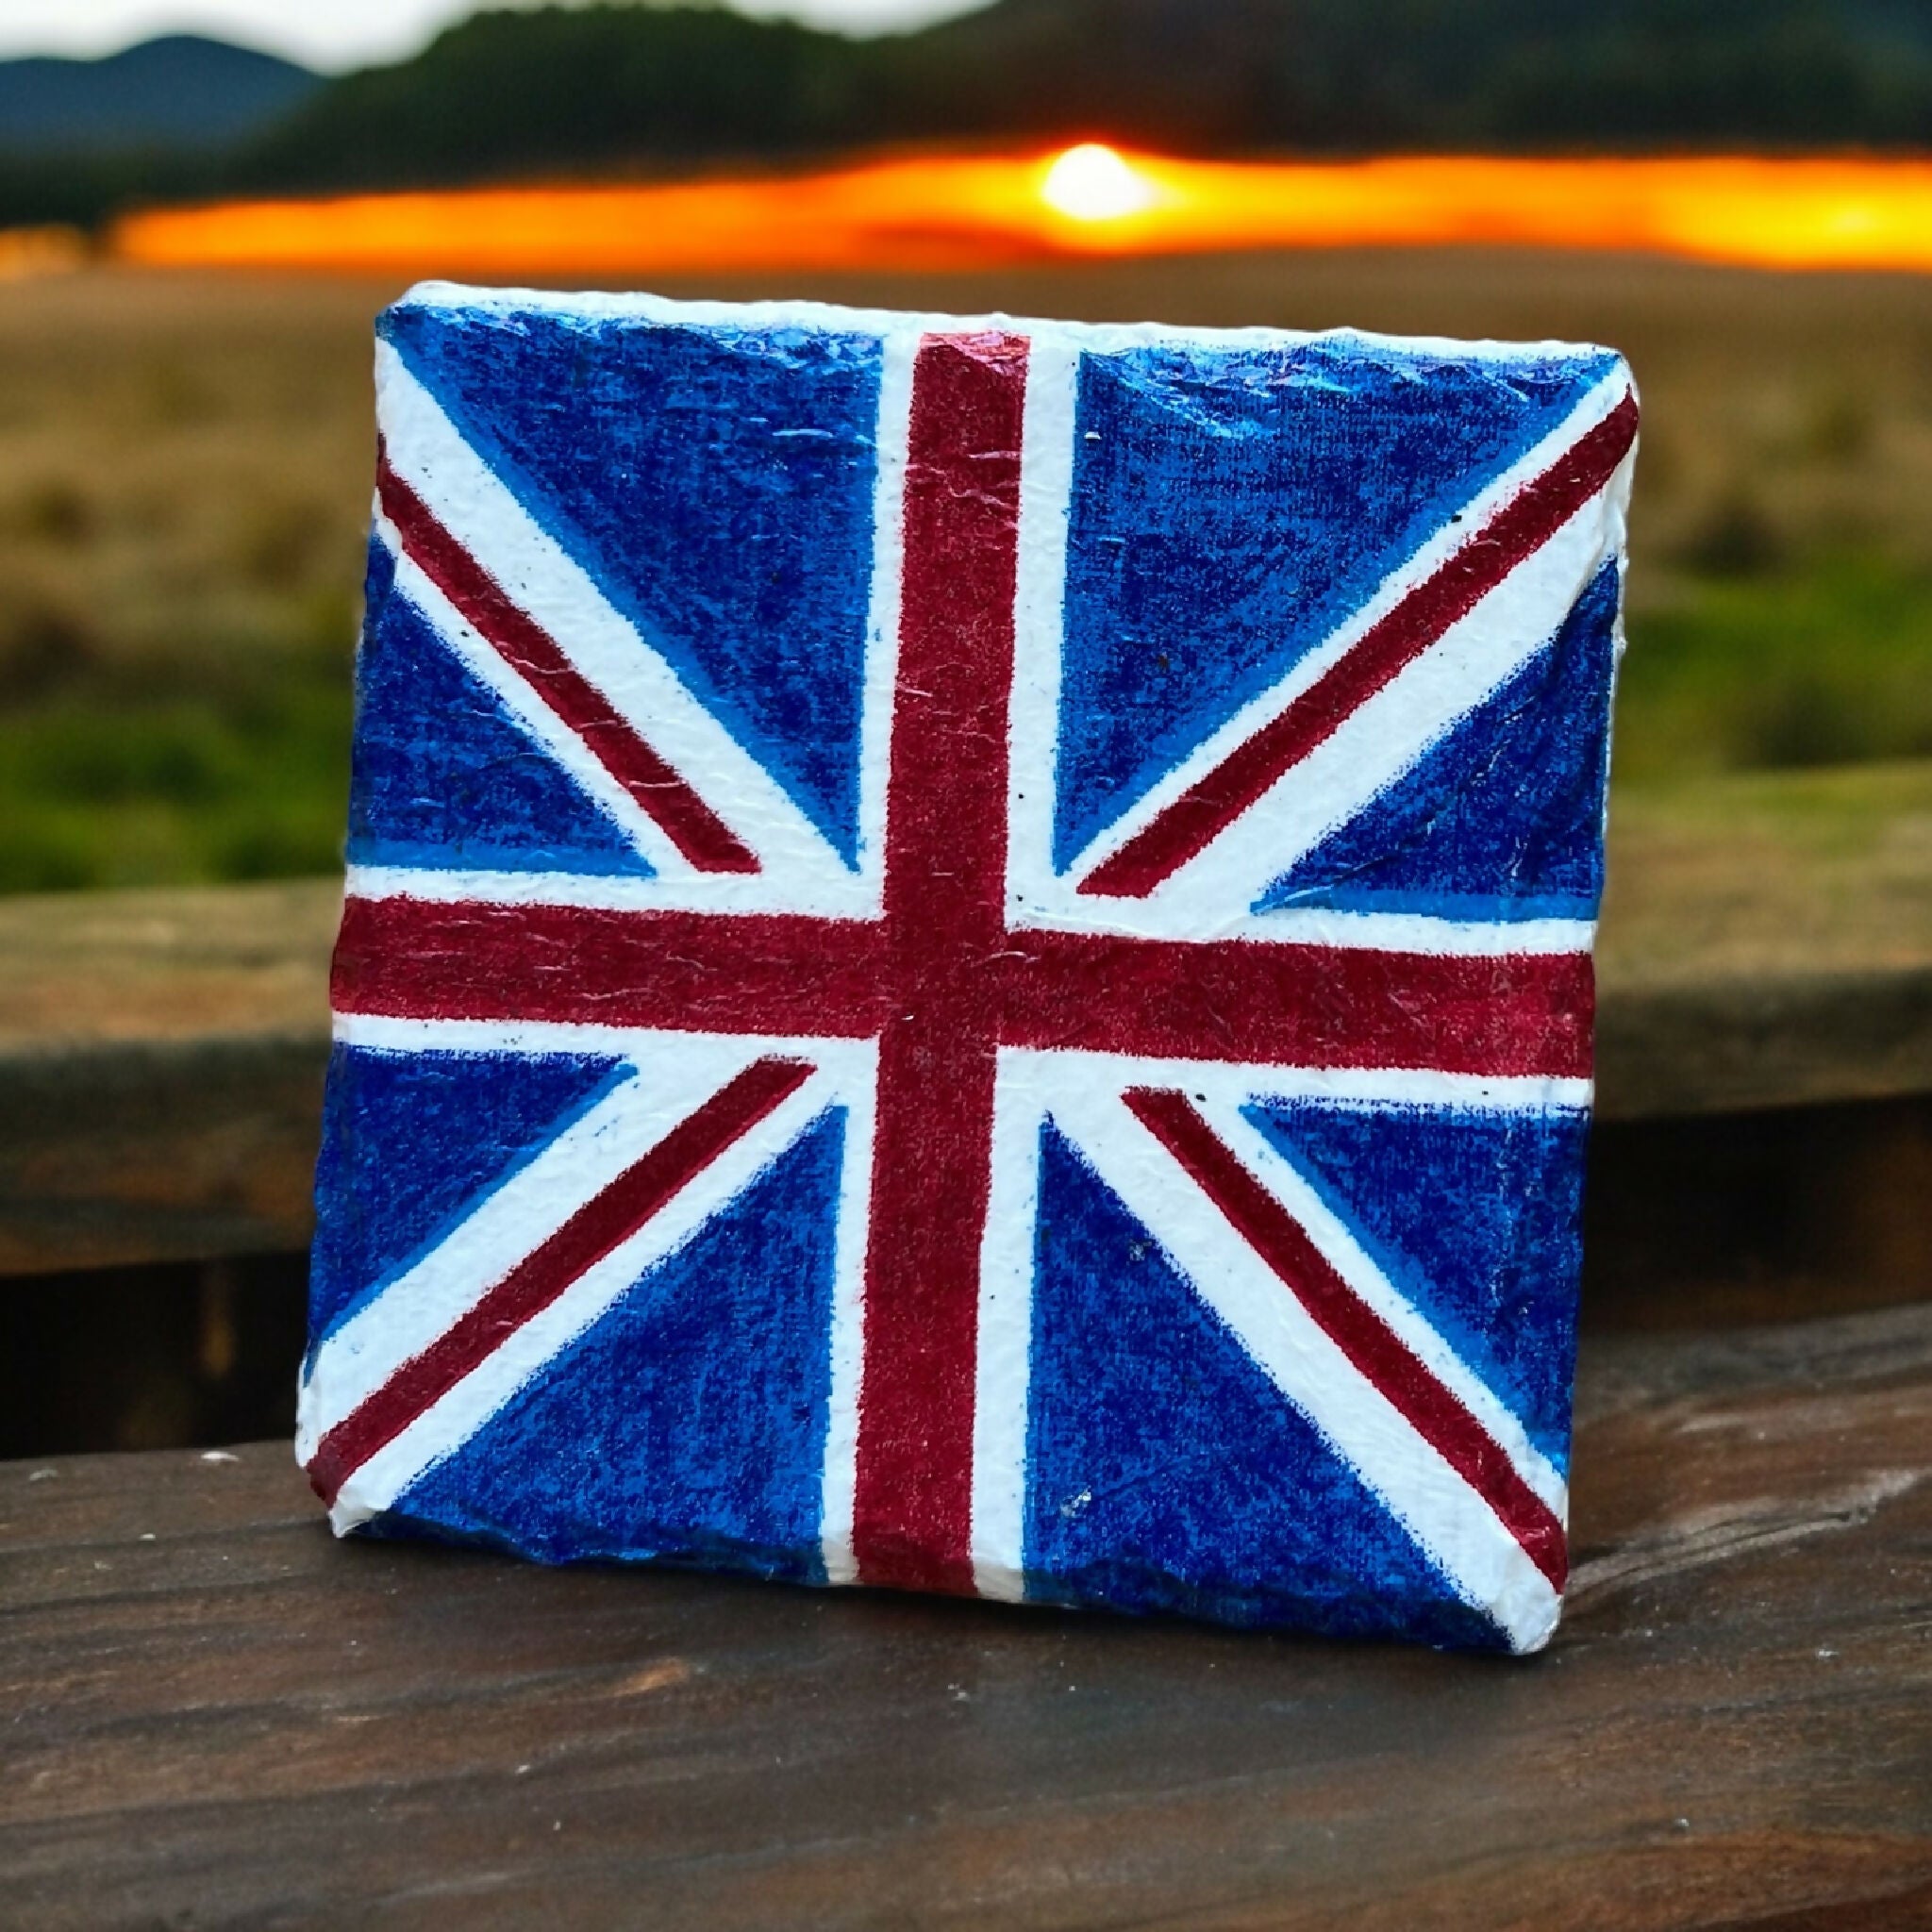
<point>160,1072</point>
<point>84,970</point>
<point>1766,942</point>
<point>214,1714</point>
<point>1736,1042</point>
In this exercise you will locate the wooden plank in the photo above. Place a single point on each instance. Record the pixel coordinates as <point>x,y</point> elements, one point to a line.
<point>1714,1220</point>
<point>1766,942</point>
<point>215,1714</point>
<point>84,970</point>
<point>160,1072</point>
<point>1770,876</point>
<point>174,1150</point>
<point>1725,1045</point>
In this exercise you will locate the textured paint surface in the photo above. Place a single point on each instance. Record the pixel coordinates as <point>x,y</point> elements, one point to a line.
<point>1167,1475</point>
<point>1502,818</point>
<point>591,1239</point>
<point>1230,509</point>
<point>716,484</point>
<point>967,963</point>
<point>412,1142</point>
<point>690,1423</point>
<point>443,777</point>
<point>1477,1217</point>
<point>945,876</point>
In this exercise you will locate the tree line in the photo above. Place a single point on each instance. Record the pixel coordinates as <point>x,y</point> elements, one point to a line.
<point>609,90</point>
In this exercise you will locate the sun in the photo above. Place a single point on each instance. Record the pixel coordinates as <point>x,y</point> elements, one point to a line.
<point>1093,183</point>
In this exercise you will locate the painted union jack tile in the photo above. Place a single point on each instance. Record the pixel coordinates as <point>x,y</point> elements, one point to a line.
<point>967,962</point>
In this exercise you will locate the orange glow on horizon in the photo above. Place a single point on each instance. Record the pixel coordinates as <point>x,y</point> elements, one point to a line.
<point>977,211</point>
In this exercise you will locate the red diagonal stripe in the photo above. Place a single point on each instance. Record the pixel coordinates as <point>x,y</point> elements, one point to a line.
<point>1522,525</point>
<point>688,821</point>
<point>1375,1349</point>
<point>602,1224</point>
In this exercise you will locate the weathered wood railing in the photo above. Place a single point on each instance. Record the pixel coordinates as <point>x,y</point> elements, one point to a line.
<point>161,1052</point>
<point>215,1713</point>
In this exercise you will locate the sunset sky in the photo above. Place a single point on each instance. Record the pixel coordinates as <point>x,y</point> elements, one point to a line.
<point>335,34</point>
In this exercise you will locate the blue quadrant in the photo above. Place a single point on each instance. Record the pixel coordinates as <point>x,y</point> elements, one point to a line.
<point>1477,1218</point>
<point>443,777</point>
<point>688,1423</point>
<point>716,484</point>
<point>1232,506</point>
<point>1166,1472</point>
<point>1502,817</point>
<point>413,1142</point>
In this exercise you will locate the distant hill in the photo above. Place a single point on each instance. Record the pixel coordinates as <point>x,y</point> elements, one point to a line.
<point>588,89</point>
<point>580,89</point>
<point>181,91</point>
<point>1357,75</point>
<point>602,89</point>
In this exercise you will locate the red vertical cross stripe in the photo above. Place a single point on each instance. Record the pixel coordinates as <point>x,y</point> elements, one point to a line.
<point>945,887</point>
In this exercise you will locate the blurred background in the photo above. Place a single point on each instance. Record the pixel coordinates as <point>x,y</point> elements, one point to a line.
<point>1726,191</point>
<point>203,203</point>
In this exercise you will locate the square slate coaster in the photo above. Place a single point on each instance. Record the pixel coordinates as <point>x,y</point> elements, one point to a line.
<point>967,962</point>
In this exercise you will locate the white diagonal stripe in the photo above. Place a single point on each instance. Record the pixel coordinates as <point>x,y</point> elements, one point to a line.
<point>1527,617</point>
<point>430,1297</point>
<point>1385,736</point>
<point>461,1410</point>
<point>428,453</point>
<point>1458,1529</point>
<point>532,716</point>
<point>1338,1247</point>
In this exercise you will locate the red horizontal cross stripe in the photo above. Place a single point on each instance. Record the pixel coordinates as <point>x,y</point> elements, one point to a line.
<point>1261,1003</point>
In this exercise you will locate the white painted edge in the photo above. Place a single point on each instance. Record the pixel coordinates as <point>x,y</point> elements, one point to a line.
<point>1103,338</point>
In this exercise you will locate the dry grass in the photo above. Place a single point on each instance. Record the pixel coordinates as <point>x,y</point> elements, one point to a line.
<point>185,465</point>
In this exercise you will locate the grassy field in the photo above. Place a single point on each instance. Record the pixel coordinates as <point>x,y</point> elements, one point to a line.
<point>185,465</point>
